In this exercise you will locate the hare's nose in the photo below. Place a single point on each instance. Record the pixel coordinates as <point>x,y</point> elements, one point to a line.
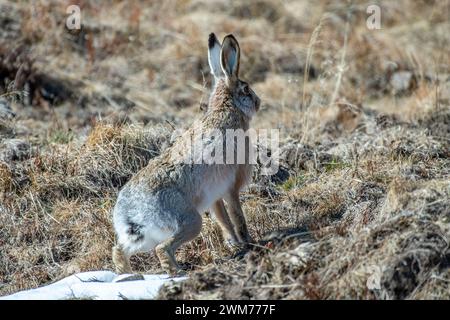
<point>257,103</point>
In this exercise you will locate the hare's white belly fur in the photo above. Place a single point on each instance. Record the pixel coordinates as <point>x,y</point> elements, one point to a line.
<point>212,188</point>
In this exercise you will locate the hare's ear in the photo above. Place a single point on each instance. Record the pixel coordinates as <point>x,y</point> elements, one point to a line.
<point>229,58</point>
<point>214,56</point>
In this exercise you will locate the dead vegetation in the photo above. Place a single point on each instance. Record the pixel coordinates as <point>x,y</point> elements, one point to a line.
<point>360,206</point>
<point>380,220</point>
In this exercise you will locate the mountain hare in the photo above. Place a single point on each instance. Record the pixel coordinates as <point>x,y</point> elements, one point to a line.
<point>160,206</point>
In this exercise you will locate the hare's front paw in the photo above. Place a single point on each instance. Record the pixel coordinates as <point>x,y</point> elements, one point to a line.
<point>179,273</point>
<point>175,271</point>
<point>235,246</point>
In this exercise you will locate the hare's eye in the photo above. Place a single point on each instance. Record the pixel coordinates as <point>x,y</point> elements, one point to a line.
<point>246,89</point>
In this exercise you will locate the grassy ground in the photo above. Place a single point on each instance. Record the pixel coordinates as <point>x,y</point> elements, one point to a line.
<point>361,207</point>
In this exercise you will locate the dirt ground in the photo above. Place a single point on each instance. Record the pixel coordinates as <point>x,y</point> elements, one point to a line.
<point>360,207</point>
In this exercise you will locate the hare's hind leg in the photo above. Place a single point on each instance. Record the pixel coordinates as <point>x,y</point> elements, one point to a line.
<point>225,223</point>
<point>237,217</point>
<point>121,259</point>
<point>188,230</point>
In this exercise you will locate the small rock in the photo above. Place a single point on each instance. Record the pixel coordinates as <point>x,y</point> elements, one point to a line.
<point>384,121</point>
<point>402,81</point>
<point>15,149</point>
<point>6,112</point>
<point>295,155</point>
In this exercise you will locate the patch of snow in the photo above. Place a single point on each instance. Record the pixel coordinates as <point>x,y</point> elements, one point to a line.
<point>98,285</point>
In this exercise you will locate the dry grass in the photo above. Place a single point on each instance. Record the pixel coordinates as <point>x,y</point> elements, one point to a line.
<point>333,226</point>
<point>365,188</point>
<point>54,201</point>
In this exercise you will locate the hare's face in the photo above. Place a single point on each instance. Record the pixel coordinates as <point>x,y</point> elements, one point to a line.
<point>245,98</point>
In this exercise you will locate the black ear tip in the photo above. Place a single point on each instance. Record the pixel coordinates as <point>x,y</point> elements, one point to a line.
<point>230,36</point>
<point>212,40</point>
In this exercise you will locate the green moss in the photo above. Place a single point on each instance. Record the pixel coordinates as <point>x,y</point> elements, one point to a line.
<point>61,136</point>
<point>336,164</point>
<point>293,182</point>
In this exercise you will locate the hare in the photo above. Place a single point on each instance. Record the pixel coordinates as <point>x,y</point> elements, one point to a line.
<point>160,207</point>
